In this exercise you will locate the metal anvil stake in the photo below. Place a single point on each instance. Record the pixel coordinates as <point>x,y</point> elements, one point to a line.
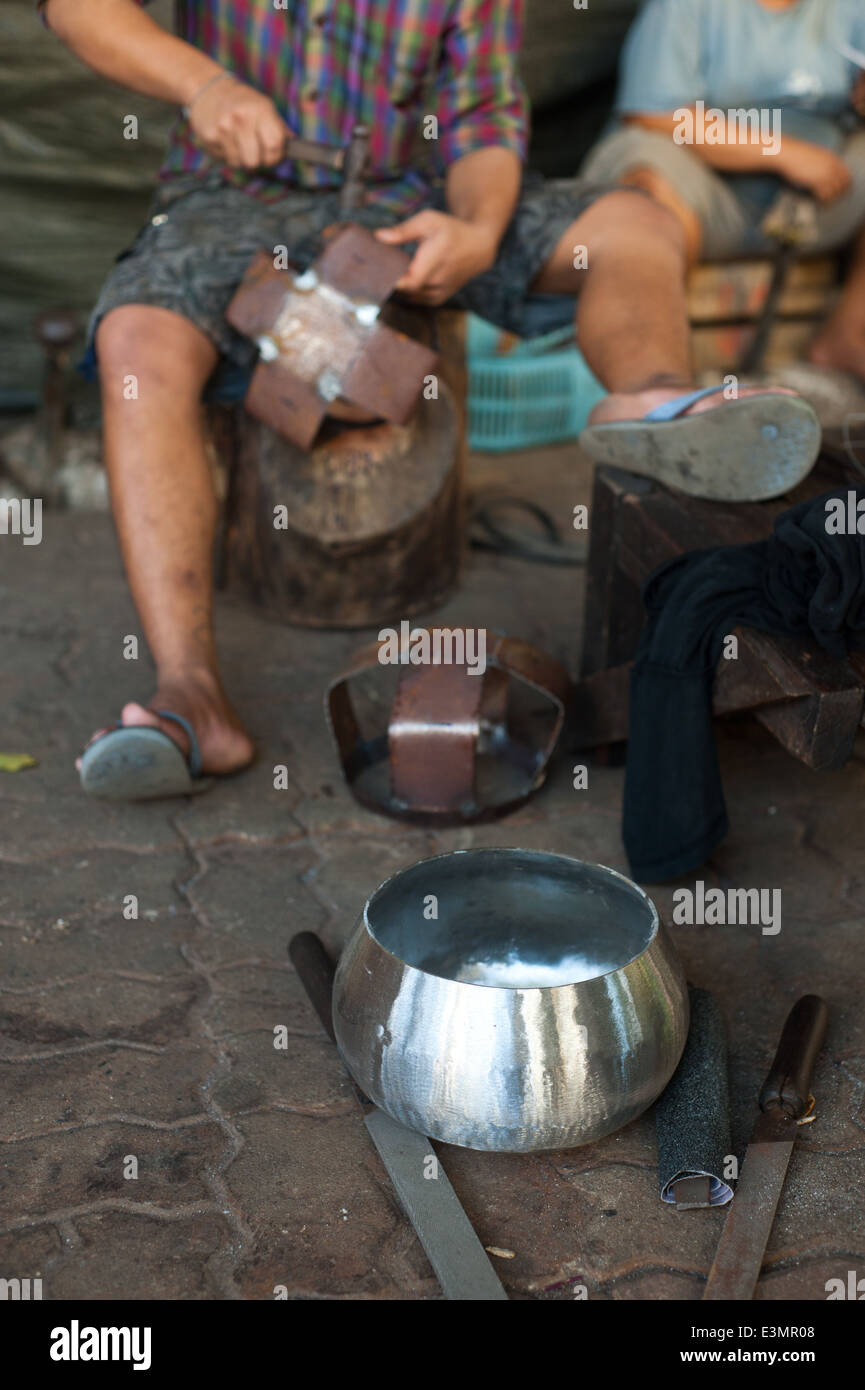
<point>320,338</point>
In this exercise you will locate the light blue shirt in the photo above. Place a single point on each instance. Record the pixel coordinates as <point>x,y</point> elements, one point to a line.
<point>737,53</point>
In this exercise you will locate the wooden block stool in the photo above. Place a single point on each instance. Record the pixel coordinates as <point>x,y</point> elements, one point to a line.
<point>725,301</point>
<point>812,704</point>
<point>364,528</point>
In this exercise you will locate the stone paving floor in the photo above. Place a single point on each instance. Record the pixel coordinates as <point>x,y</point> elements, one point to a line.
<point>152,1039</point>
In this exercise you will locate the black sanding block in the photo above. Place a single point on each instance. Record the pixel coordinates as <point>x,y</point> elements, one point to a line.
<point>692,1117</point>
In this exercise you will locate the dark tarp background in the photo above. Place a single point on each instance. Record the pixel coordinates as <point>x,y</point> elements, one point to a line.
<point>75,191</point>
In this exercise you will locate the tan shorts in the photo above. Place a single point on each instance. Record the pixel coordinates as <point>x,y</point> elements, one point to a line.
<point>730,208</point>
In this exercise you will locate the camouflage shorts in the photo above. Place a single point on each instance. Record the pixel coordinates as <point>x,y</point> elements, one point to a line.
<point>201,235</point>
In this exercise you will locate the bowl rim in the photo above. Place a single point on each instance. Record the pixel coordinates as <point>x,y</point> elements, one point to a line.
<point>532,853</point>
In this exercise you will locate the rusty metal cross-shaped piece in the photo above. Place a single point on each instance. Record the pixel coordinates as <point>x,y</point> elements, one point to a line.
<point>319,336</point>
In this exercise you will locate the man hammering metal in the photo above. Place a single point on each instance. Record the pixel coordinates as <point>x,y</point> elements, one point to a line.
<point>507,602</point>
<point>483,239</point>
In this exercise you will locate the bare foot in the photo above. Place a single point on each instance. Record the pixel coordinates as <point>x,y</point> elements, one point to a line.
<point>635,405</point>
<point>199,697</point>
<point>840,344</point>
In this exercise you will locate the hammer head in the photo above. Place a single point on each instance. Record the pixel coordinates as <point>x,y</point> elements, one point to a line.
<point>354,169</point>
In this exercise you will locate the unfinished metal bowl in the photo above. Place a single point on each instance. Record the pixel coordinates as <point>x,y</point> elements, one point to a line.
<point>505,999</point>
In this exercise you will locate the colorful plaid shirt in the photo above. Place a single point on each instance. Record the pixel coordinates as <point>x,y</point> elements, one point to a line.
<point>328,64</point>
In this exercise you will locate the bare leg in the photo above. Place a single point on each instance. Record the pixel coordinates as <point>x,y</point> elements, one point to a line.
<point>664,193</point>
<point>165,511</point>
<point>632,315</point>
<point>841,341</point>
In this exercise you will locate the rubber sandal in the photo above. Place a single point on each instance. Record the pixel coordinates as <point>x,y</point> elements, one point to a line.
<point>491,529</point>
<point>746,450</point>
<point>137,763</point>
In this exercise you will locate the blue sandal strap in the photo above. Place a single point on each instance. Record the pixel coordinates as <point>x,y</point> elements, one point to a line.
<point>194,756</point>
<point>671,410</point>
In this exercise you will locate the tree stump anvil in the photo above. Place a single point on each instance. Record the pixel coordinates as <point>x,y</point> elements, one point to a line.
<point>321,339</point>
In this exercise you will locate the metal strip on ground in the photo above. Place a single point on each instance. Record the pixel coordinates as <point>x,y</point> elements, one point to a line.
<point>461,1264</point>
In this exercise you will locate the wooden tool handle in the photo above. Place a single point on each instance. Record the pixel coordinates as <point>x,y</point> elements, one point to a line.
<point>788,1085</point>
<point>316,971</point>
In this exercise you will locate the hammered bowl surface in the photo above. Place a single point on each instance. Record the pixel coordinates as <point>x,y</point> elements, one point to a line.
<point>506,999</point>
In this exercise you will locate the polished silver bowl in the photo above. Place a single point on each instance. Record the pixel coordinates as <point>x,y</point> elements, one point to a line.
<point>507,999</point>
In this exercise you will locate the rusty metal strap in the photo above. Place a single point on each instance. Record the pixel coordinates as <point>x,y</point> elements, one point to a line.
<point>439,717</point>
<point>360,266</point>
<point>531,665</point>
<point>354,753</point>
<point>434,727</point>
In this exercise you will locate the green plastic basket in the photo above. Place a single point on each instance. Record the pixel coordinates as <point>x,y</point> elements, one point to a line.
<point>540,392</point>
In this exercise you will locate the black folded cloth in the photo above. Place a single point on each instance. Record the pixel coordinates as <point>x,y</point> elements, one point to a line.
<point>804,579</point>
